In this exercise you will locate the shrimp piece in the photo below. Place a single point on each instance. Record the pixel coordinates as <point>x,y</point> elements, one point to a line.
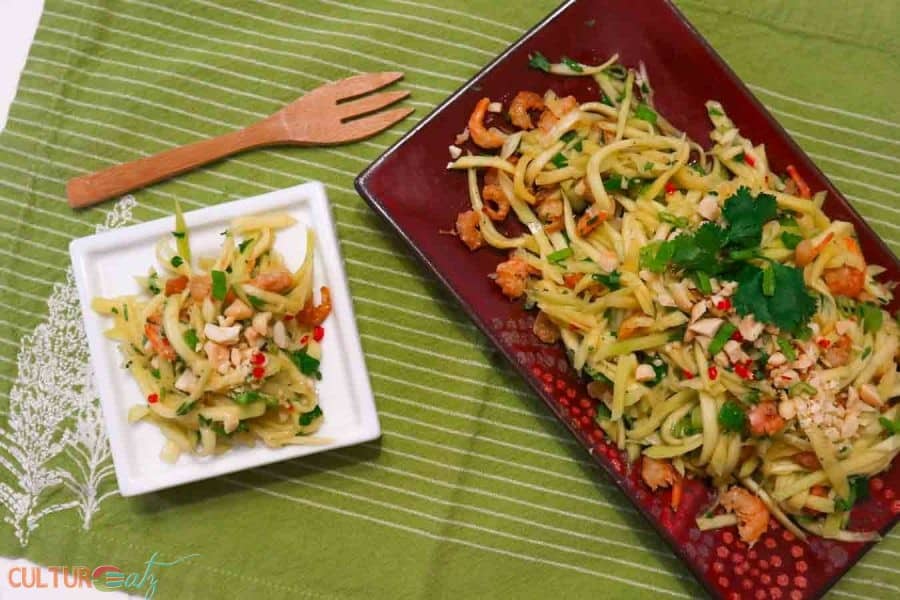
<point>552,114</point>
<point>550,211</point>
<point>496,204</point>
<point>545,329</point>
<point>176,285</point>
<point>807,460</point>
<point>764,419</point>
<point>486,138</point>
<point>799,182</point>
<point>200,287</point>
<point>752,514</point>
<point>805,252</point>
<point>590,220</point>
<point>845,281</point>
<point>658,473</point>
<point>512,276</point>
<point>519,107</point>
<point>159,343</point>
<point>276,280</point>
<point>467,228</point>
<point>316,315</point>
<point>838,354</point>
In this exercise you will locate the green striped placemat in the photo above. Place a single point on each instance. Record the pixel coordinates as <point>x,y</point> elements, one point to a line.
<point>474,490</point>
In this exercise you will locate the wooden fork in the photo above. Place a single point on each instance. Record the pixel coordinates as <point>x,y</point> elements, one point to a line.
<point>334,113</point>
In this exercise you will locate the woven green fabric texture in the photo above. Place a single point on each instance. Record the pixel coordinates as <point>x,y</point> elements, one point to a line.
<point>474,490</point>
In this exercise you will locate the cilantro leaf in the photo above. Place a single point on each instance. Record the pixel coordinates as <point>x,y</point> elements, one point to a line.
<point>307,364</point>
<point>177,261</point>
<point>791,240</point>
<point>871,316</point>
<point>191,339</point>
<point>747,216</point>
<point>539,61</point>
<point>790,309</point>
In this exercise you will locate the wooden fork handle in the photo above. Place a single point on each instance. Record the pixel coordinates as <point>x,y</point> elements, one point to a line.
<point>88,190</point>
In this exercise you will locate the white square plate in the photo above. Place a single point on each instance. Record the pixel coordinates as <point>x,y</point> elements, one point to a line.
<point>106,265</point>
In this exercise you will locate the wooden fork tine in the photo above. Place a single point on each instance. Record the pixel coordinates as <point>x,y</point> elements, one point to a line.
<point>368,104</point>
<point>359,84</point>
<point>372,124</point>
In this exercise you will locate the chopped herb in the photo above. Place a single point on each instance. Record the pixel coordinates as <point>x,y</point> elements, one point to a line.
<point>125,311</point>
<point>787,349</point>
<point>243,245</point>
<point>892,427</point>
<point>539,61</point>
<point>604,99</point>
<point>185,407</point>
<point>573,65</point>
<point>613,183</point>
<point>219,285</point>
<point>247,397</point>
<point>204,421</point>
<point>685,427</point>
<point>715,112</point>
<point>660,370</point>
<point>648,166</point>
<point>603,412</point>
<point>597,376</point>
<point>645,113</point>
<point>178,234</point>
<point>667,217</point>
<point>616,71</point>
<point>788,221</point>
<point>560,255</point>
<point>191,339</point>
<point>114,310</point>
<point>871,316</point>
<point>153,283</point>
<point>866,352</point>
<point>307,364</point>
<point>307,418</point>
<point>568,136</point>
<point>578,147</point>
<point>177,261</point>
<point>732,417</point>
<point>791,240</point>
<point>611,281</point>
<point>154,373</point>
<point>559,160</point>
<point>740,157</point>
<point>724,333</point>
<point>255,301</point>
<point>859,490</point>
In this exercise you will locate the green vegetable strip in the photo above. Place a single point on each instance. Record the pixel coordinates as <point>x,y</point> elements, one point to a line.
<point>219,285</point>
<point>721,338</point>
<point>182,241</point>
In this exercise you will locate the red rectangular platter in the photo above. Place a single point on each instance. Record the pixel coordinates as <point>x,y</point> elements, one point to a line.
<point>411,188</point>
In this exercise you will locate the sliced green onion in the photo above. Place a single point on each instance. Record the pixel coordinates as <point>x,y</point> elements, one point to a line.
<point>787,349</point>
<point>559,160</point>
<point>574,65</point>
<point>726,330</point>
<point>559,255</point>
<point>645,113</point>
<point>539,61</point>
